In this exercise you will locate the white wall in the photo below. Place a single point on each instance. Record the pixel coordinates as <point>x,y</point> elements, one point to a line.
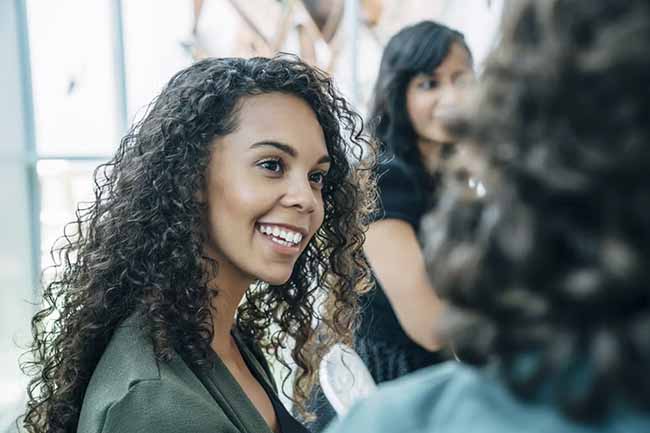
<point>15,236</point>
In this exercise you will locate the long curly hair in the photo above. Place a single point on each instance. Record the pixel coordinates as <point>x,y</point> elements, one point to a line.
<point>138,246</point>
<point>418,48</point>
<point>549,275</point>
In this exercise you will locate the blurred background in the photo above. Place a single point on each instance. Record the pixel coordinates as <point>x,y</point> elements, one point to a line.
<point>78,72</point>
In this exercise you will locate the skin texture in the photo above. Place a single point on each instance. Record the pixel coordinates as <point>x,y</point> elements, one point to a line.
<point>391,244</point>
<point>269,170</point>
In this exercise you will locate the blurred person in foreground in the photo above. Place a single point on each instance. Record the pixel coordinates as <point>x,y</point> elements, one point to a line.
<point>424,71</point>
<point>547,277</point>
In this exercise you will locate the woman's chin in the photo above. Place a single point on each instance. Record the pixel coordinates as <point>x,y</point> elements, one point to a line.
<point>440,135</point>
<point>277,280</point>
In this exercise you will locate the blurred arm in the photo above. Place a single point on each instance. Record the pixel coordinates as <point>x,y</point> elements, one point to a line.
<point>397,261</point>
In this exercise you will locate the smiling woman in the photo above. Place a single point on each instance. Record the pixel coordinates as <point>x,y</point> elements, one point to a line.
<point>236,204</point>
<point>278,165</point>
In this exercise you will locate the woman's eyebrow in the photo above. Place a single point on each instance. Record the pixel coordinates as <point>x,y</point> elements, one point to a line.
<point>460,73</point>
<point>288,149</point>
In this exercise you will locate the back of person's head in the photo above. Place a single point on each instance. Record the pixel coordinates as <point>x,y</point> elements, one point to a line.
<point>419,48</point>
<point>549,275</point>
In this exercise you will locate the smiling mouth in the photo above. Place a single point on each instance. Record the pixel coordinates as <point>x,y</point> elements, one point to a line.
<point>281,235</point>
<point>445,115</point>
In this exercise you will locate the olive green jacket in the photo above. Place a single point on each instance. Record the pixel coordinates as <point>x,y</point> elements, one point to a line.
<point>130,391</point>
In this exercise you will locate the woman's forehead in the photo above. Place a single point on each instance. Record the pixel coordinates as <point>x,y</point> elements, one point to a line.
<point>281,118</point>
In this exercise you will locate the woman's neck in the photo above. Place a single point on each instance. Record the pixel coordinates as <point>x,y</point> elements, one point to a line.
<point>431,152</point>
<point>224,310</point>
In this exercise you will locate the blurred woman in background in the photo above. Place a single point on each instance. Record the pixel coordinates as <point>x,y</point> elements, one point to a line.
<point>424,71</point>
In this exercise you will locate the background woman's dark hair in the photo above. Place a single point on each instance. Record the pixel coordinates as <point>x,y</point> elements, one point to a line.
<point>137,247</point>
<point>550,275</point>
<point>419,48</point>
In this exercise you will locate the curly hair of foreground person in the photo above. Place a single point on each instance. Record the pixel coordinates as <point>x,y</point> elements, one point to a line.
<point>549,276</point>
<point>138,245</point>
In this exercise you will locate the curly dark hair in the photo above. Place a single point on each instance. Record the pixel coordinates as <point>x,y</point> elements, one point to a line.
<point>138,245</point>
<point>418,48</point>
<point>549,275</point>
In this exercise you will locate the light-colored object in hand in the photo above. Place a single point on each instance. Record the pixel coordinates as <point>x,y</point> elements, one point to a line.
<point>344,378</point>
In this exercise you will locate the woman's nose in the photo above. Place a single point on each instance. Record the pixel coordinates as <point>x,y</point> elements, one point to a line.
<point>450,95</point>
<point>300,195</point>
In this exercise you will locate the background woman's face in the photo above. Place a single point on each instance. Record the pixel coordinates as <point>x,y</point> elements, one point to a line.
<point>432,99</point>
<point>264,189</point>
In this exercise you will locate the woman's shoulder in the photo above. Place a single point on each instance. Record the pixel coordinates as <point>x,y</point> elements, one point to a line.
<point>128,359</point>
<point>130,386</point>
<point>453,397</point>
<point>396,171</point>
<point>401,196</point>
<point>399,405</point>
<point>158,406</point>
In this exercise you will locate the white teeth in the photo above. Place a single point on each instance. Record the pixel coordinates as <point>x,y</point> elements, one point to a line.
<point>288,237</point>
<point>281,242</point>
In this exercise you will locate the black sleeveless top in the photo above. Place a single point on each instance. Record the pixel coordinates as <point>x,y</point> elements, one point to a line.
<point>380,340</point>
<point>401,197</point>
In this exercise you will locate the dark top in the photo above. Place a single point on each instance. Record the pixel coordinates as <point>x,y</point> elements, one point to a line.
<point>401,197</point>
<point>380,340</point>
<point>454,398</point>
<point>131,391</point>
<point>287,423</point>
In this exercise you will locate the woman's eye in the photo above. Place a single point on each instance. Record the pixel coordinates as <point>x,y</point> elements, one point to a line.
<point>465,80</point>
<point>273,165</point>
<point>317,178</point>
<point>428,84</point>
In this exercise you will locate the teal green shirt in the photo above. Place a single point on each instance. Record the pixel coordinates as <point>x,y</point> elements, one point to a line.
<point>453,398</point>
<point>130,391</point>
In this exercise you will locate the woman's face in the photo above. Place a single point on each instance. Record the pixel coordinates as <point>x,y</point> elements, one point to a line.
<point>432,99</point>
<point>264,190</point>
